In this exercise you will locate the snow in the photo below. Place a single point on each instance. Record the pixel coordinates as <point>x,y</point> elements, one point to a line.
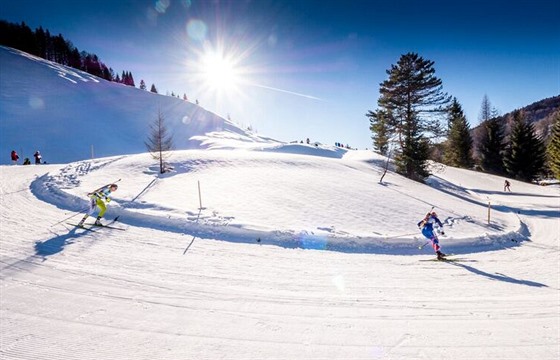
<point>337,273</point>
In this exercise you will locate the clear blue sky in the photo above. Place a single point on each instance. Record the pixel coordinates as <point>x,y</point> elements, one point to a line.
<point>312,68</point>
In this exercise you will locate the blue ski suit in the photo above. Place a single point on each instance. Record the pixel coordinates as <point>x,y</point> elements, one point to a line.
<point>427,226</point>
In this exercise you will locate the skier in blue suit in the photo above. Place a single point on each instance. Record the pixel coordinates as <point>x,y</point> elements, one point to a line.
<point>427,226</point>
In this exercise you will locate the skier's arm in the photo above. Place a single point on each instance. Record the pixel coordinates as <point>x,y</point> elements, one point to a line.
<point>440,225</point>
<point>103,194</point>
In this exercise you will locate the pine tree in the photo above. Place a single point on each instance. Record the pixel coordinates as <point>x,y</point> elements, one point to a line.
<point>458,149</point>
<point>380,132</point>
<point>410,100</point>
<point>142,85</point>
<point>487,111</point>
<point>153,89</point>
<point>491,147</point>
<point>553,149</point>
<point>160,142</point>
<point>411,160</point>
<point>131,79</point>
<point>525,154</point>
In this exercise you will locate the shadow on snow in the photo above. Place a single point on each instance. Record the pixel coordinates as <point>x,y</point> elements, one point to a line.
<point>497,276</point>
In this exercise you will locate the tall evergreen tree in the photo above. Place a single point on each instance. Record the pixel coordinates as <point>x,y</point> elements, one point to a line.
<point>553,149</point>
<point>458,149</point>
<point>153,89</point>
<point>142,85</point>
<point>525,154</point>
<point>491,147</point>
<point>410,100</point>
<point>41,39</point>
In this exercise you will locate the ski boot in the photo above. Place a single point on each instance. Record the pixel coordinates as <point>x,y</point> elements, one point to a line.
<point>98,221</point>
<point>440,255</point>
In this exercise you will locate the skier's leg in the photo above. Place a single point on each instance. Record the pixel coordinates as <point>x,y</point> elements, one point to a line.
<point>435,243</point>
<point>437,248</point>
<point>102,208</point>
<point>92,204</point>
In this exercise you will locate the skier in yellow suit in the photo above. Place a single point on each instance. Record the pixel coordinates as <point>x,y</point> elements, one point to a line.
<point>97,199</point>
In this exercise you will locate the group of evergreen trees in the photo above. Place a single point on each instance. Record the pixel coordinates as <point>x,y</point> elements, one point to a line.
<point>57,49</point>
<point>411,114</point>
<point>520,155</point>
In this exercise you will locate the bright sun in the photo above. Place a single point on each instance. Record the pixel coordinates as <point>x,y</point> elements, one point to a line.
<point>219,72</point>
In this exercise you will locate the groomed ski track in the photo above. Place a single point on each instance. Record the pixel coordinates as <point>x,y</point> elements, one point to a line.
<point>139,295</point>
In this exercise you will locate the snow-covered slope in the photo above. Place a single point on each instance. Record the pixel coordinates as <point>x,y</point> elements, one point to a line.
<point>282,255</point>
<point>64,112</point>
<point>189,283</point>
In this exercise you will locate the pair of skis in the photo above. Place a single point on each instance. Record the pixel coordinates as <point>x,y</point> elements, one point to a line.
<point>447,258</point>
<point>90,227</point>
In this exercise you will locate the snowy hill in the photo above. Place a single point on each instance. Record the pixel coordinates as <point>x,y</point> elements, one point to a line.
<point>43,102</point>
<point>282,256</point>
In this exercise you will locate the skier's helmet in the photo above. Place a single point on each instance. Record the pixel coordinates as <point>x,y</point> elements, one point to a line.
<point>434,213</point>
<point>114,187</point>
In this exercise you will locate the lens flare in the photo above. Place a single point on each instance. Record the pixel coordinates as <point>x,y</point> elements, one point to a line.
<point>162,5</point>
<point>196,30</point>
<point>36,103</point>
<point>313,242</point>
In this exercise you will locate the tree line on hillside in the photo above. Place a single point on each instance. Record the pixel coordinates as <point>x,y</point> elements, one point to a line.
<point>57,49</point>
<point>415,121</point>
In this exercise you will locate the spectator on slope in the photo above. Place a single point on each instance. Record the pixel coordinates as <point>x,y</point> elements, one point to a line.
<point>506,186</point>
<point>96,200</point>
<point>38,157</point>
<point>26,161</point>
<point>15,157</point>
<point>427,227</point>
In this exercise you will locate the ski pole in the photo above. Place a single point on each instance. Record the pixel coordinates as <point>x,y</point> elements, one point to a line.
<point>422,246</point>
<point>401,235</point>
<point>70,217</point>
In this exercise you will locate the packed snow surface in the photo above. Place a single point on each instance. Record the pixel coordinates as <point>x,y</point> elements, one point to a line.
<point>291,256</point>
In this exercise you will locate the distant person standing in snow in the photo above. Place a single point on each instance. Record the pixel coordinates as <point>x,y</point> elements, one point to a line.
<point>15,157</point>
<point>38,157</point>
<point>427,226</point>
<point>26,161</point>
<point>506,186</point>
<point>97,199</point>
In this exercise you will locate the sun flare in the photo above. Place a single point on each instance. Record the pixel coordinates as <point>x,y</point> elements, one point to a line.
<point>219,72</point>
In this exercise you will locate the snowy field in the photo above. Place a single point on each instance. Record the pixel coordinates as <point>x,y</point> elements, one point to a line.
<point>292,251</point>
<point>337,273</point>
